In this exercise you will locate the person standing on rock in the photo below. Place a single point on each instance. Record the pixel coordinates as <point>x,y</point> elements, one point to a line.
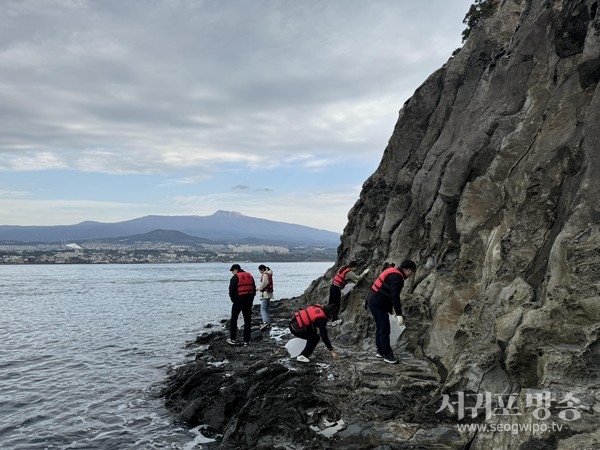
<point>242,290</point>
<point>383,299</point>
<point>266,294</point>
<point>342,277</point>
<point>311,324</point>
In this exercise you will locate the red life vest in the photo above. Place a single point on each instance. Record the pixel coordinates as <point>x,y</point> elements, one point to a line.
<point>306,317</point>
<point>340,278</point>
<point>380,281</point>
<point>246,284</point>
<point>269,287</point>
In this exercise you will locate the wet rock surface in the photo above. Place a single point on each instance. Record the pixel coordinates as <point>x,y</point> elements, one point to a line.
<point>260,397</point>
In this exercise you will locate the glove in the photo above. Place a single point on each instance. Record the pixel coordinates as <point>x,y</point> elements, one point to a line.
<point>366,271</point>
<point>400,320</point>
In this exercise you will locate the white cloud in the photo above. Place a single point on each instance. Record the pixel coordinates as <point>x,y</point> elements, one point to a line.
<point>32,161</point>
<point>206,91</point>
<point>39,212</point>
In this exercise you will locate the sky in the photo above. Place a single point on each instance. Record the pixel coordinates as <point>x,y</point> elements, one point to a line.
<point>279,109</point>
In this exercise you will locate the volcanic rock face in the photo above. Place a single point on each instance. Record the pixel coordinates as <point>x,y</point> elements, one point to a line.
<point>491,183</point>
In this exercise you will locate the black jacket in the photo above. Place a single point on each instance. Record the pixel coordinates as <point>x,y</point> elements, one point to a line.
<point>388,296</point>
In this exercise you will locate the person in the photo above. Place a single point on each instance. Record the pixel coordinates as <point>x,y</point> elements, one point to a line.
<point>242,290</point>
<point>383,299</point>
<point>266,294</point>
<point>311,324</point>
<point>342,277</point>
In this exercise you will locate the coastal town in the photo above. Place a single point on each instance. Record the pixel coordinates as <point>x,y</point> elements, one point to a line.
<point>156,253</point>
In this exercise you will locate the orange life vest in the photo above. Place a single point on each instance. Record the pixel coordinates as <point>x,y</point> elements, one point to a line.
<point>269,287</point>
<point>306,317</point>
<point>380,281</point>
<point>246,284</point>
<point>340,278</point>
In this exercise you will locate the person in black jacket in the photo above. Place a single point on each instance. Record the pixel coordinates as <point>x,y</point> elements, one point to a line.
<point>311,324</point>
<point>383,299</point>
<point>242,290</point>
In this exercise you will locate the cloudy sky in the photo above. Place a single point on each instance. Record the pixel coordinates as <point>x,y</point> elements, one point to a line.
<point>278,109</point>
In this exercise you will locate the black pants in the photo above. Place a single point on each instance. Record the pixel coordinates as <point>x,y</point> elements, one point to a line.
<point>312,339</point>
<point>382,327</point>
<point>335,298</point>
<point>245,307</point>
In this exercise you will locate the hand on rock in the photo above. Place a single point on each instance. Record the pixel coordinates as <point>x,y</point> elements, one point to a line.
<point>334,354</point>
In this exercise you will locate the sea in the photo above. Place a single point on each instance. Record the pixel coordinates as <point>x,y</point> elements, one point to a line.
<point>84,349</point>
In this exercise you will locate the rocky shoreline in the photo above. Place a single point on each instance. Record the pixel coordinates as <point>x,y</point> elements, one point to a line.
<point>489,183</point>
<point>258,397</point>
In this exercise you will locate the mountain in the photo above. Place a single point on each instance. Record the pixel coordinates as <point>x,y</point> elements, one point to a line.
<point>164,236</point>
<point>222,226</point>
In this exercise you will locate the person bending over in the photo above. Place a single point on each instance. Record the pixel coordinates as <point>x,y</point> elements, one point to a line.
<point>342,277</point>
<point>383,299</point>
<point>311,324</point>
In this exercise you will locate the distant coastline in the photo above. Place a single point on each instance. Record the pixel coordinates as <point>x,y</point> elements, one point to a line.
<point>159,256</point>
<point>223,237</point>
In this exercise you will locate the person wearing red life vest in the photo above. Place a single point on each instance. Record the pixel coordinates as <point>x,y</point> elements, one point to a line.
<point>242,290</point>
<point>310,323</point>
<point>265,288</point>
<point>343,276</point>
<point>383,299</point>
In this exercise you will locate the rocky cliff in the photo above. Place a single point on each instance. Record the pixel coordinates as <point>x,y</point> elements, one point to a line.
<point>490,183</point>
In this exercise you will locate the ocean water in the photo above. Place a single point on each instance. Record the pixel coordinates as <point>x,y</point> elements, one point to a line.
<point>85,348</point>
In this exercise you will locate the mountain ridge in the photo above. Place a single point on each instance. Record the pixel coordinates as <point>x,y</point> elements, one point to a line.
<point>222,226</point>
<point>158,235</point>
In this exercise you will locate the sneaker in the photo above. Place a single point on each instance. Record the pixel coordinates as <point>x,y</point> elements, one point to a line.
<point>391,359</point>
<point>378,355</point>
<point>264,326</point>
<point>303,359</point>
<point>232,341</point>
<point>246,344</point>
